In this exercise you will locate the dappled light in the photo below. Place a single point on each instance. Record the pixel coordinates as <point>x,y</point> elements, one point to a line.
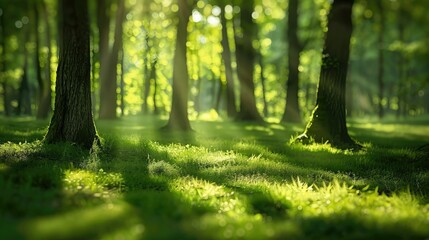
<point>214,119</point>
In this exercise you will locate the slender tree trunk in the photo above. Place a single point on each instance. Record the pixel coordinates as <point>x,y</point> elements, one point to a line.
<point>108,83</point>
<point>178,119</point>
<point>264,91</point>
<point>44,95</point>
<point>146,74</point>
<point>24,100</point>
<point>153,76</point>
<point>4,80</point>
<point>72,119</point>
<point>231,108</point>
<point>292,113</point>
<point>155,86</point>
<point>121,81</point>
<point>245,55</point>
<point>381,59</point>
<point>328,121</point>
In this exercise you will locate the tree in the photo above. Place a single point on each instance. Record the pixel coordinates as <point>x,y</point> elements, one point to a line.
<point>178,119</point>
<point>245,57</point>
<point>109,58</point>
<point>226,57</point>
<point>328,120</point>
<point>72,120</point>
<point>44,96</point>
<point>291,113</point>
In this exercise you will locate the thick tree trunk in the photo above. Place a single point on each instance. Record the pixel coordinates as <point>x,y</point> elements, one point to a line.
<point>292,113</point>
<point>72,119</point>
<point>245,56</point>
<point>381,60</point>
<point>178,119</point>
<point>328,121</point>
<point>231,108</point>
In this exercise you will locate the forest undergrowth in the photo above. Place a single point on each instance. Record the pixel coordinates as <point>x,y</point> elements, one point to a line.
<point>225,180</point>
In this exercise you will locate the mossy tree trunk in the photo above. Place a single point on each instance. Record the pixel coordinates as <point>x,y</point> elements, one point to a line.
<point>245,57</point>
<point>328,121</point>
<point>72,120</point>
<point>292,113</point>
<point>178,119</point>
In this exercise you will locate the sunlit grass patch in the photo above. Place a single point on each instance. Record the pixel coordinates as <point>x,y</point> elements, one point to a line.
<point>92,184</point>
<point>161,168</point>
<point>206,195</point>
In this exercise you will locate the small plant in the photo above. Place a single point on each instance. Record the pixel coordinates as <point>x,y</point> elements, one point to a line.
<point>92,163</point>
<point>162,168</point>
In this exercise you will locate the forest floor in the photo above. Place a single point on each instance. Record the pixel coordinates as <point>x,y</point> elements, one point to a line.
<point>226,180</point>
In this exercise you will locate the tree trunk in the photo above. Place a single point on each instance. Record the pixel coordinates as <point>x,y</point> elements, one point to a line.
<point>44,96</point>
<point>107,81</point>
<point>231,108</point>
<point>24,99</point>
<point>146,74</point>
<point>155,85</point>
<point>72,119</point>
<point>264,91</point>
<point>292,113</point>
<point>6,100</point>
<point>381,59</point>
<point>122,82</point>
<point>245,56</point>
<point>178,119</point>
<point>328,121</point>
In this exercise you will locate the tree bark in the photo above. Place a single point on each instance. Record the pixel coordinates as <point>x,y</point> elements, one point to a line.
<point>245,57</point>
<point>231,108</point>
<point>178,119</point>
<point>328,120</point>
<point>292,113</point>
<point>72,119</point>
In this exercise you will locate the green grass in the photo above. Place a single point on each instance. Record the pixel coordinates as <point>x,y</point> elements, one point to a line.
<point>224,181</point>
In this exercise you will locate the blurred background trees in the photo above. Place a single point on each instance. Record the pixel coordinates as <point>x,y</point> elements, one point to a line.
<point>269,50</point>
